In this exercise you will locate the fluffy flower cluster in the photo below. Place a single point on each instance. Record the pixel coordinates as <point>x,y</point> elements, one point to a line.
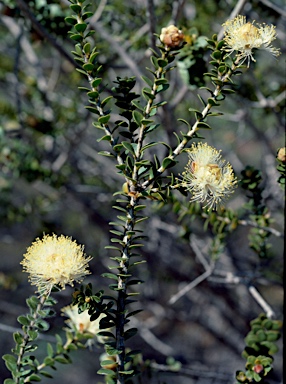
<point>207,176</point>
<point>243,37</point>
<point>172,37</point>
<point>80,322</point>
<point>55,261</point>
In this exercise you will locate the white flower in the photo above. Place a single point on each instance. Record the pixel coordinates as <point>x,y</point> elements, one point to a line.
<point>244,37</point>
<point>207,176</point>
<point>55,260</point>
<point>80,322</point>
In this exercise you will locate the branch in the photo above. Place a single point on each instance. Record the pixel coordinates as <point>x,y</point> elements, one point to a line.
<point>266,229</point>
<point>43,32</point>
<point>209,267</point>
<point>261,301</point>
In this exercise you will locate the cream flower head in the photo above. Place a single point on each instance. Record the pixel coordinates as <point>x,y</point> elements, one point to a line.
<point>80,322</point>
<point>207,176</point>
<point>244,37</point>
<point>55,260</point>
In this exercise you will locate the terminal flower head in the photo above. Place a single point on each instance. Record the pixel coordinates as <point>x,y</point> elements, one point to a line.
<point>207,176</point>
<point>281,155</point>
<point>243,37</point>
<point>55,260</point>
<point>172,37</point>
<point>80,322</point>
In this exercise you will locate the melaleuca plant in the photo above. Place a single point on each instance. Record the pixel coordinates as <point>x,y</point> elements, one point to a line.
<point>207,176</point>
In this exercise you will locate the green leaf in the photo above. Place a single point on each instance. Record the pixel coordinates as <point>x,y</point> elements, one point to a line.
<point>203,125</point>
<point>126,372</point>
<point>103,371</point>
<point>105,153</point>
<point>212,102</point>
<point>161,81</point>
<point>146,122</point>
<point>81,27</point>
<point>216,55</point>
<point>137,117</point>
<point>154,61</point>
<point>33,334</point>
<point>104,119</point>
<point>105,137</point>
<point>92,110</point>
<point>23,320</point>
<point>220,44</point>
<point>88,67</point>
<point>93,56</point>
<point>137,105</point>
<point>42,324</point>
<point>133,313</point>
<point>147,93</point>
<point>227,91</point>
<point>10,358</point>
<point>76,8</point>
<point>107,362</point>
<point>168,163</point>
<point>95,83</point>
<point>162,63</point>
<point>9,381</point>
<point>18,337</point>
<point>70,20</point>
<point>76,37</point>
<point>32,302</point>
<point>81,71</point>
<point>86,48</point>
<point>62,360</point>
<point>202,100</point>
<point>185,122</point>
<point>46,374</point>
<point>106,100</point>
<point>86,15</point>
<point>110,276</point>
<point>130,333</point>
<point>147,80</point>
<point>34,377</point>
<point>128,146</point>
<point>106,334</point>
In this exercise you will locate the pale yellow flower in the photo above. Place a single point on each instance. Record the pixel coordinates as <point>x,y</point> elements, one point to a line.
<point>207,176</point>
<point>243,37</point>
<point>55,261</point>
<point>80,322</point>
<point>281,155</point>
<point>172,36</point>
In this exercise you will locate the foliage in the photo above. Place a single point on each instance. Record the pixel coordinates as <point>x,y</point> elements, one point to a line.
<point>260,346</point>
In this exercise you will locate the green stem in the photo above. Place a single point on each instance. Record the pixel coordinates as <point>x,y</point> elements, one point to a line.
<point>26,338</point>
<point>129,226</point>
<point>194,128</point>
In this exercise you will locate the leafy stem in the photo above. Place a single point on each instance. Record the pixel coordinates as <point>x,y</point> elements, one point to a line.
<point>27,334</point>
<point>220,77</point>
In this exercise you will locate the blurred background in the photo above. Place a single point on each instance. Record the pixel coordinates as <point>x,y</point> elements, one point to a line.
<point>52,179</point>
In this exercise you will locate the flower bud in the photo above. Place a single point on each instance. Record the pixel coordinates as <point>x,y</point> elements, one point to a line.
<point>281,155</point>
<point>172,37</point>
<point>258,368</point>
